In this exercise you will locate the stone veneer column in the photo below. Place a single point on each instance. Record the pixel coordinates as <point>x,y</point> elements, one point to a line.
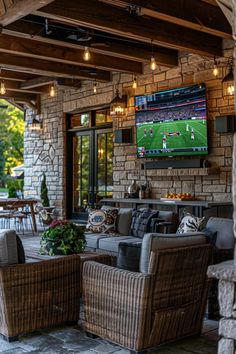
<point>226,272</point>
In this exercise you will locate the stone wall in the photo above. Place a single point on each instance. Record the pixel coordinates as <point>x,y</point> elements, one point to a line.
<point>45,150</point>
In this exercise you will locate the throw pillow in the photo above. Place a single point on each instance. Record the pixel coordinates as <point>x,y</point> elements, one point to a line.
<point>102,220</point>
<point>129,256</point>
<point>210,235</point>
<point>190,223</point>
<point>141,220</point>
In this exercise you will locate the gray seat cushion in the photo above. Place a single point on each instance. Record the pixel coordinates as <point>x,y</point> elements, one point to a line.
<point>112,243</point>
<point>155,241</point>
<point>8,247</point>
<point>92,239</point>
<point>224,227</point>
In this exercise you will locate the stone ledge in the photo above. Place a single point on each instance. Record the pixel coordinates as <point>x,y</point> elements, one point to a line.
<point>187,171</point>
<point>223,271</point>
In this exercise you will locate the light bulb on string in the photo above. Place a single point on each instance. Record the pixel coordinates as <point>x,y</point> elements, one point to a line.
<point>95,87</point>
<point>134,85</point>
<point>153,64</point>
<point>215,69</point>
<point>3,88</point>
<point>52,92</point>
<point>86,54</point>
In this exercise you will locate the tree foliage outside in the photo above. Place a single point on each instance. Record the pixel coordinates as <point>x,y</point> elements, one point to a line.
<point>11,139</point>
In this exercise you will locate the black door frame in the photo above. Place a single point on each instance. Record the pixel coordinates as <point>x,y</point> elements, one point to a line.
<point>93,132</point>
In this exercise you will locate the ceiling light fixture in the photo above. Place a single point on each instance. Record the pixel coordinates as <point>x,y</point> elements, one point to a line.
<point>153,64</point>
<point>95,87</point>
<point>86,55</point>
<point>52,92</point>
<point>135,84</point>
<point>228,81</point>
<point>215,69</point>
<point>3,88</point>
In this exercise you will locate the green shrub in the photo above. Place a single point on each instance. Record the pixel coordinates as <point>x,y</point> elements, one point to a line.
<point>12,192</point>
<point>44,192</point>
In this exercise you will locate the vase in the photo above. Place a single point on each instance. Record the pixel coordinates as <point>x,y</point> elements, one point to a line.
<point>133,190</point>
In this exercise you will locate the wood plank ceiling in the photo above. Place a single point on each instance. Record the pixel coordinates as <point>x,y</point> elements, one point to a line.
<point>43,41</point>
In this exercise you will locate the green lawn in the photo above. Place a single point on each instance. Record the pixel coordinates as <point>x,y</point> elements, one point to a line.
<point>3,190</point>
<point>183,140</point>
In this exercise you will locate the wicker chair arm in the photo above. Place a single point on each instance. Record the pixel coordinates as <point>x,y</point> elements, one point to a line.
<point>46,292</point>
<point>120,297</point>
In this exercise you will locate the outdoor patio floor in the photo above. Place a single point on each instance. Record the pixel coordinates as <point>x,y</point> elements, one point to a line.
<point>72,339</point>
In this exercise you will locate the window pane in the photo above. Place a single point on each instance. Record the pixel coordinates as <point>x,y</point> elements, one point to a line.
<point>81,172</point>
<point>102,117</point>
<point>79,120</point>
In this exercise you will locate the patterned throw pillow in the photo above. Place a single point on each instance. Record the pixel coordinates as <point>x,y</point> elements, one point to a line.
<point>190,223</point>
<point>141,220</point>
<point>102,220</point>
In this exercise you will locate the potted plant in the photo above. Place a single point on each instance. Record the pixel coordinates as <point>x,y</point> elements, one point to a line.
<point>62,238</point>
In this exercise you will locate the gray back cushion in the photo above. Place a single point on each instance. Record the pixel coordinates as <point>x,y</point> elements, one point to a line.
<point>124,221</point>
<point>155,242</point>
<point>224,228</point>
<point>8,247</point>
<point>170,216</point>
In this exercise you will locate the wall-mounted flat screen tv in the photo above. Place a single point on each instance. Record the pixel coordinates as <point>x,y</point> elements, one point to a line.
<point>172,122</point>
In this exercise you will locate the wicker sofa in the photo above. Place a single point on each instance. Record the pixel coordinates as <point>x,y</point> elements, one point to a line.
<point>165,301</point>
<point>38,294</point>
<point>102,242</point>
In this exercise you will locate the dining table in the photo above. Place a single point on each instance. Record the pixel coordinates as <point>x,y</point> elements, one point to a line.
<point>21,203</point>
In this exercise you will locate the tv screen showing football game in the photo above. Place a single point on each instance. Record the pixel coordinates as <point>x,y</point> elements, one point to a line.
<point>172,122</point>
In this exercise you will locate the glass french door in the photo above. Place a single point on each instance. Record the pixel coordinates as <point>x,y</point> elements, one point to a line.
<point>92,169</point>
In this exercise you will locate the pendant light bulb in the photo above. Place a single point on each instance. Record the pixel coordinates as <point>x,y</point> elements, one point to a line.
<point>86,54</point>
<point>153,64</point>
<point>52,91</point>
<point>230,89</point>
<point>95,87</point>
<point>135,85</point>
<point>215,71</point>
<point>3,88</point>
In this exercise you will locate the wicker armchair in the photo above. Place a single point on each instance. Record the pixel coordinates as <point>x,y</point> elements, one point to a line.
<point>37,295</point>
<point>164,302</point>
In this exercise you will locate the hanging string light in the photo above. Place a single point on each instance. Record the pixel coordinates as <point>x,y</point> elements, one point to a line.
<point>2,85</point>
<point>52,92</point>
<point>134,85</point>
<point>153,64</point>
<point>95,87</point>
<point>215,69</point>
<point>3,88</point>
<point>86,55</point>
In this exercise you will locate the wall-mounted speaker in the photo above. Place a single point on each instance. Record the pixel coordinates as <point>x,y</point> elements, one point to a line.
<point>123,136</point>
<point>225,124</point>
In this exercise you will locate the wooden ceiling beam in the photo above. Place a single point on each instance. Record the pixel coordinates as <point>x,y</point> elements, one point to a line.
<point>18,9</point>
<point>44,80</point>
<point>17,87</point>
<point>48,68</point>
<point>35,49</point>
<point>37,82</point>
<point>15,76</point>
<point>130,50</point>
<point>119,22</point>
<point>20,96</point>
<point>192,14</point>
